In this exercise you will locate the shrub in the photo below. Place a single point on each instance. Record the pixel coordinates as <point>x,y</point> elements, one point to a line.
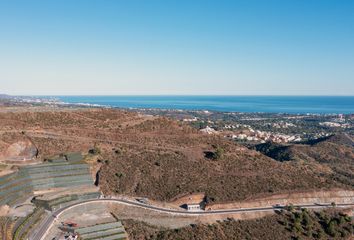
<point>331,228</point>
<point>289,207</point>
<point>95,151</point>
<point>119,175</point>
<point>307,220</point>
<point>219,153</point>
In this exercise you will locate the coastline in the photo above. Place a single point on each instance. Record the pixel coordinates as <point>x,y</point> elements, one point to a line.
<point>292,105</point>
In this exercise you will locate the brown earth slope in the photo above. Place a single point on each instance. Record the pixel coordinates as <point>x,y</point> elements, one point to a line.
<point>336,152</point>
<point>161,159</point>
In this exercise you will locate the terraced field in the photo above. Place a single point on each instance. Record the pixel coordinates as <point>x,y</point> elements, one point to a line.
<point>61,201</point>
<point>105,231</point>
<point>16,187</point>
<point>25,225</point>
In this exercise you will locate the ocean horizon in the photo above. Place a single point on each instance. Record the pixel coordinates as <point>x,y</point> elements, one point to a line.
<point>249,104</point>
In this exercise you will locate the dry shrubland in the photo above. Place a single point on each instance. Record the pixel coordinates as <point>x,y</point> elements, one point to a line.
<point>284,225</point>
<point>161,158</point>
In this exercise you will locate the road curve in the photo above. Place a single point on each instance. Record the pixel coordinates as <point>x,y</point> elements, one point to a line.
<point>45,226</point>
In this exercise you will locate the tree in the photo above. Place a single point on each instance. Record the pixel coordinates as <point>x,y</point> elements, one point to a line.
<point>297,226</point>
<point>331,228</point>
<point>306,220</point>
<point>320,233</point>
<point>286,223</point>
<point>290,207</point>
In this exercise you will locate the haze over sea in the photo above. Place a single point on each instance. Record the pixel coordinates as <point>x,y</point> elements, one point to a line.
<point>267,104</point>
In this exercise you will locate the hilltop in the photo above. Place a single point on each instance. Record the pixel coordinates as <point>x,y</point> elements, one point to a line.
<point>162,159</point>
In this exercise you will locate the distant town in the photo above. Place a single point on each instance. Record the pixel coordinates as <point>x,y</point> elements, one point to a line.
<point>263,127</point>
<point>240,127</point>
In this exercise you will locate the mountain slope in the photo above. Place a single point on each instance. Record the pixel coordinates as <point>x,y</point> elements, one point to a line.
<point>335,152</point>
<point>161,159</point>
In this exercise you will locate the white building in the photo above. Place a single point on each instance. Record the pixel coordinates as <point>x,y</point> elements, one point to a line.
<point>193,207</point>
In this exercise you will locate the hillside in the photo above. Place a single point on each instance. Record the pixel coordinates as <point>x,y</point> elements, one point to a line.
<point>160,158</point>
<point>336,152</point>
<point>285,225</point>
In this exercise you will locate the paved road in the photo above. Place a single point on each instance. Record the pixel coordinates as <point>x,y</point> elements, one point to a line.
<point>45,226</point>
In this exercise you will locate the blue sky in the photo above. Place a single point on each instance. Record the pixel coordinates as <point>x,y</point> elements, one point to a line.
<point>248,47</point>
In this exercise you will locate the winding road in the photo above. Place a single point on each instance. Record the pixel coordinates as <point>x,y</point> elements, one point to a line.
<point>47,223</point>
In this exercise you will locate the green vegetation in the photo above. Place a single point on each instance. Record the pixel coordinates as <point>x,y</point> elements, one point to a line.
<point>113,230</point>
<point>289,207</point>
<point>302,224</point>
<point>119,175</point>
<point>18,186</point>
<point>309,224</point>
<point>274,150</point>
<point>28,223</point>
<point>333,152</point>
<point>219,153</point>
<point>95,150</point>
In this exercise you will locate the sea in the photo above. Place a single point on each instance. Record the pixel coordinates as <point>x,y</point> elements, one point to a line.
<point>249,104</point>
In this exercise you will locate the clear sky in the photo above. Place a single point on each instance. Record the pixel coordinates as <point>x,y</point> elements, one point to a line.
<point>266,47</point>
